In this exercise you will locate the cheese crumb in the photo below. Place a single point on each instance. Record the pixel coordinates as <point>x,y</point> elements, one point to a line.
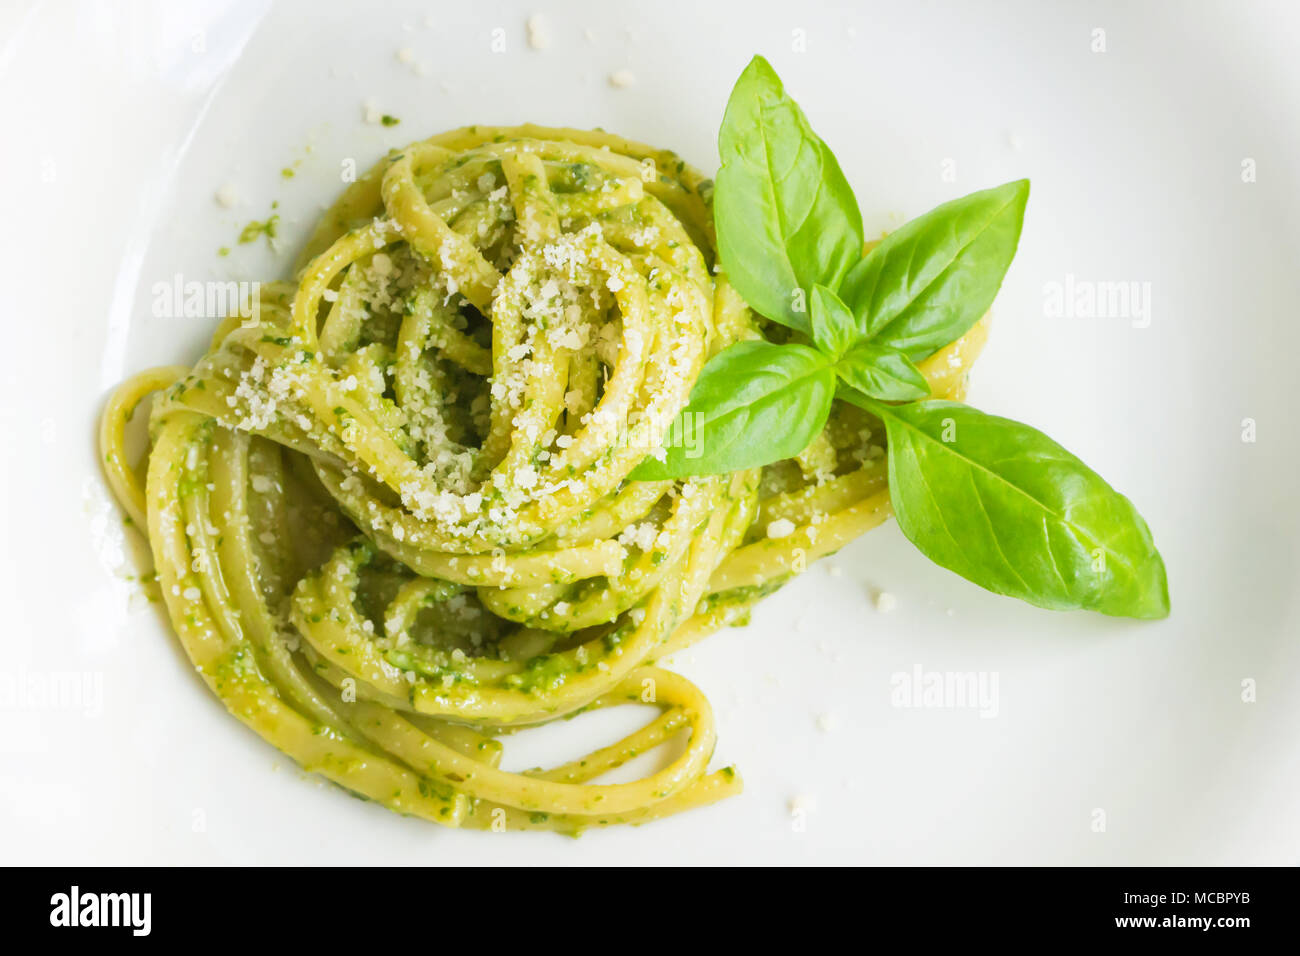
<point>885,602</point>
<point>227,196</point>
<point>621,79</point>
<point>539,38</point>
<point>780,528</point>
<point>803,803</point>
<point>827,723</point>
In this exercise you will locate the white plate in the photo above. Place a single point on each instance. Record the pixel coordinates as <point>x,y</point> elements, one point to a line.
<point>121,121</point>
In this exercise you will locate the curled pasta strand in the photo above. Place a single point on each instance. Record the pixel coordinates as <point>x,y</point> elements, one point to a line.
<point>391,514</point>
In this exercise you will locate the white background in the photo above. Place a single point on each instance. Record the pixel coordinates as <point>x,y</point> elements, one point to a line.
<point>120,121</point>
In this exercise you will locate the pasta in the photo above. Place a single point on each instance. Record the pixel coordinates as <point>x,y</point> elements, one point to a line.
<point>390,514</point>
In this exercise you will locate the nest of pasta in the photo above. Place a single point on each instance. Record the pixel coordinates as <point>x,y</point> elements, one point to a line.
<point>391,513</point>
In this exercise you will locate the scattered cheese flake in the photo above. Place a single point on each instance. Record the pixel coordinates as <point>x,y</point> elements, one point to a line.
<point>803,803</point>
<point>539,37</point>
<point>621,79</point>
<point>780,528</point>
<point>227,196</point>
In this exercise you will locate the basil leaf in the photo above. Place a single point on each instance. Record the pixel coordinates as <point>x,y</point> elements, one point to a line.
<point>754,403</point>
<point>785,215</point>
<point>927,283</point>
<point>875,370</point>
<point>883,373</point>
<point>833,327</point>
<point>1006,507</point>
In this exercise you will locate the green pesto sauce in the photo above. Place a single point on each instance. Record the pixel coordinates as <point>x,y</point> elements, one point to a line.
<point>546,672</point>
<point>255,230</point>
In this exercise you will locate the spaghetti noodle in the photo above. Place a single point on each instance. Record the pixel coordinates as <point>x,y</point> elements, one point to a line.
<point>390,513</point>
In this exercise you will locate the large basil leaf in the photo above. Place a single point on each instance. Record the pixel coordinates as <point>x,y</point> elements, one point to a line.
<point>754,403</point>
<point>1004,506</point>
<point>786,218</point>
<point>927,283</point>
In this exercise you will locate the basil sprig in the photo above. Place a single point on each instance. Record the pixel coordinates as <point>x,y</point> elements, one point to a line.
<point>996,501</point>
<point>871,367</point>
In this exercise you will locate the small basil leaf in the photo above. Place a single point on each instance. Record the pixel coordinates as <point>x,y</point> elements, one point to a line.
<point>883,373</point>
<point>1006,507</point>
<point>785,215</point>
<point>927,283</point>
<point>754,403</point>
<point>833,327</point>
